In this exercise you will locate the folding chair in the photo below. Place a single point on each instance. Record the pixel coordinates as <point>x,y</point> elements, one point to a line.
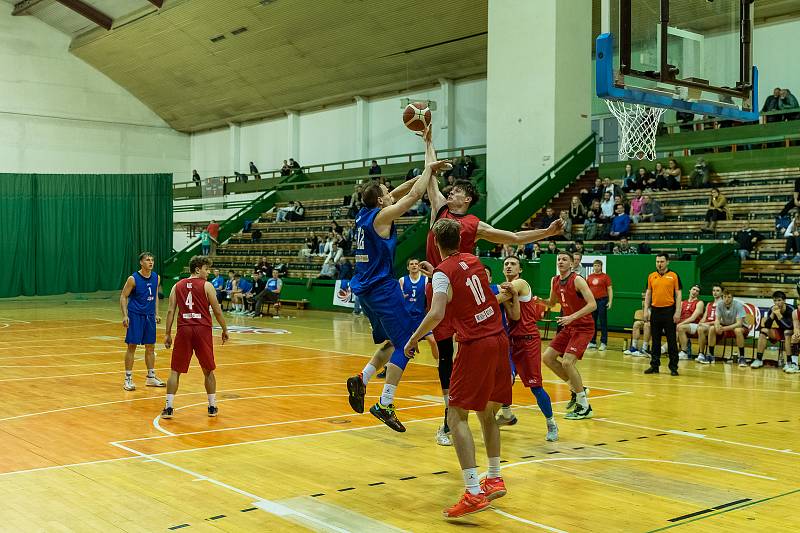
<point>550,317</point>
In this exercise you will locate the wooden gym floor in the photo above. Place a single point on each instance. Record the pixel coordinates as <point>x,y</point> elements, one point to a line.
<point>715,449</point>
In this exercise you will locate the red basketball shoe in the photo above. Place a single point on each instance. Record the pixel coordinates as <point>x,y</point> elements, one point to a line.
<point>493,487</point>
<point>468,504</point>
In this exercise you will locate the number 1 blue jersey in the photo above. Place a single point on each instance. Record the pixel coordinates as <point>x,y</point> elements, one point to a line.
<point>142,299</point>
<point>374,254</point>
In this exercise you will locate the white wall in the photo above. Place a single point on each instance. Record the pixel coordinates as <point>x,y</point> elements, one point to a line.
<point>58,114</point>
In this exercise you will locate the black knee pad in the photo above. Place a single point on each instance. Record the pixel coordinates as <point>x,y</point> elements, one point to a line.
<point>445,361</point>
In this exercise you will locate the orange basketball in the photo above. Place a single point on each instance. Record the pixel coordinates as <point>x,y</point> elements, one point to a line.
<point>417,116</point>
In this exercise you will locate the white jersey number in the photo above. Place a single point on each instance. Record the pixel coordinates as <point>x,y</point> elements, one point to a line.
<point>474,285</point>
<point>189,302</point>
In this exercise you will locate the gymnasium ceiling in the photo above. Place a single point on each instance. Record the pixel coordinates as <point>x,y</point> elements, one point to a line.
<point>292,55</point>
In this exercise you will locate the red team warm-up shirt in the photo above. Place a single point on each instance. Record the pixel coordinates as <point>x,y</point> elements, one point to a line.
<point>473,310</point>
<point>571,300</point>
<point>599,284</point>
<point>193,307</point>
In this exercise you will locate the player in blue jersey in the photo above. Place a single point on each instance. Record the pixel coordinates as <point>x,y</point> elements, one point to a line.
<point>139,304</point>
<point>379,293</point>
<point>413,287</point>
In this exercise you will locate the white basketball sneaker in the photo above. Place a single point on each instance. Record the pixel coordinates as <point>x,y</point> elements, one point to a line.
<point>128,384</point>
<point>155,382</point>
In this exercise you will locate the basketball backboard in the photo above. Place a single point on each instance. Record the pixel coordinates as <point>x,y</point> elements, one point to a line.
<point>693,56</point>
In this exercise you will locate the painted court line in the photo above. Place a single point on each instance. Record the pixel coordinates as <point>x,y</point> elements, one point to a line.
<point>525,521</point>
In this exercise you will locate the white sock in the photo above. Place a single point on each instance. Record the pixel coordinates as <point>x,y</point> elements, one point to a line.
<point>551,421</point>
<point>471,480</point>
<point>633,344</point>
<point>128,374</point>
<point>170,399</point>
<point>367,373</point>
<point>446,400</point>
<point>644,346</point>
<point>212,400</point>
<point>507,411</point>
<point>494,467</point>
<point>582,400</point>
<point>151,372</point>
<point>387,396</point>
<point>794,359</point>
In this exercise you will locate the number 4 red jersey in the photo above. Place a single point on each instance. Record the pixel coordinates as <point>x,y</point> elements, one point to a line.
<point>570,299</point>
<point>192,306</point>
<point>473,310</point>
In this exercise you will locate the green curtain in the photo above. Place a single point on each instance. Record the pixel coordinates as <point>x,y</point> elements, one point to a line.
<point>85,232</point>
<point>16,219</point>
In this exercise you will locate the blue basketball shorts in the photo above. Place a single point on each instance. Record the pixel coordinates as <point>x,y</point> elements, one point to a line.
<point>141,329</point>
<point>384,305</point>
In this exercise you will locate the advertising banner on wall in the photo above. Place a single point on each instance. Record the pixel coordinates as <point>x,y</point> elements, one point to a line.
<point>342,295</point>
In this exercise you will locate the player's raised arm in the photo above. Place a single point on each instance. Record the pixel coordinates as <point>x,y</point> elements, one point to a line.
<point>130,283</point>
<point>211,294</point>
<point>510,298</point>
<point>500,236</point>
<point>173,302</point>
<point>387,215</point>
<point>435,196</point>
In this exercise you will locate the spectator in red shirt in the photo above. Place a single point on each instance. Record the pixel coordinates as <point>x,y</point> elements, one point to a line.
<point>213,230</point>
<point>600,285</point>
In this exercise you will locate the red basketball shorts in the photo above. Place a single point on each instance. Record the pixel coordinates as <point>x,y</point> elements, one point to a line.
<point>193,339</point>
<point>526,352</point>
<point>571,340</point>
<point>481,373</point>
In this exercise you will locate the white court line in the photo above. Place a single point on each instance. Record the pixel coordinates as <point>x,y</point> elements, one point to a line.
<point>281,423</point>
<point>525,521</point>
<point>14,320</point>
<point>71,465</point>
<point>270,506</point>
<point>65,355</point>
<point>694,385</point>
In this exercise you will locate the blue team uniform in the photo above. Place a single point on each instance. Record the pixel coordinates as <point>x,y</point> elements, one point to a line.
<point>414,295</point>
<point>142,310</point>
<point>376,287</point>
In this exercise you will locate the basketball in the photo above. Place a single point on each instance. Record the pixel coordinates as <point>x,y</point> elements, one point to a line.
<point>417,116</point>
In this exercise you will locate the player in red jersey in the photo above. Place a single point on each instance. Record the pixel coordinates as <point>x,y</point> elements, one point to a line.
<point>460,199</point>
<point>523,309</point>
<point>192,297</point>
<point>577,303</point>
<point>480,376</point>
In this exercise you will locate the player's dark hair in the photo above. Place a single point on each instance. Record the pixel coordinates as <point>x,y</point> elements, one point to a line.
<point>197,262</point>
<point>408,262</point>
<point>567,253</point>
<point>779,294</point>
<point>597,262</point>
<point>726,292</point>
<point>487,267</point>
<point>370,195</point>
<point>516,258</point>
<point>469,190</point>
<point>665,255</point>
<point>447,233</point>
<point>145,254</point>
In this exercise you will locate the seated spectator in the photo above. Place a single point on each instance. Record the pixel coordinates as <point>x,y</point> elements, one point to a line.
<point>335,253</point>
<point>606,208</point>
<point>299,213</point>
<point>620,224</point>
<point>218,282</point>
<point>283,212</point>
<point>689,320</point>
<point>636,203</point>
<point>549,217</point>
<point>270,294</point>
<point>254,170</point>
<point>256,235</point>
<point>469,165</point>
<point>577,246</point>
<point>344,268</point>
<point>674,173</point>
<point>413,172</point>
<point>729,323</point>
<point>645,180</point>
<point>700,176</point>
<point>507,251</point>
<point>240,178</point>
<point>566,233</point>
<point>792,236</point>
<point>624,247</point>
<point>685,118</point>
<point>196,177</point>
<point>628,179</point>
<point>660,175</point>
<point>285,168</point>
<point>239,288</point>
<point>535,251</point>
<point>717,210</point>
<point>336,227</point>
<point>354,203</point>
<point>778,327</point>
<point>651,211</point>
<point>746,239</point>
<point>794,203</point>
<point>772,103</point>
<point>282,268</point>
<point>227,290</point>
<point>375,169</point>
<point>611,187</point>
<point>262,264</point>
<point>305,251</point>
<point>596,192</point>
<point>294,165</point>
<point>788,102</point>
<point>590,226</point>
<point>577,212</point>
<point>328,270</point>
<point>259,285</point>
<point>640,337</point>
<point>551,247</point>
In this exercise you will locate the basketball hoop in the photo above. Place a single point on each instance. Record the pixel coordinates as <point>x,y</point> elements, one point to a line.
<point>638,125</point>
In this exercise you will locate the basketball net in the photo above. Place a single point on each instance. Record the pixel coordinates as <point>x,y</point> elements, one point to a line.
<point>638,125</point>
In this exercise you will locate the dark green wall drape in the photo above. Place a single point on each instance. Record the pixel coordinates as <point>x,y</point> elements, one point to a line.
<point>81,233</point>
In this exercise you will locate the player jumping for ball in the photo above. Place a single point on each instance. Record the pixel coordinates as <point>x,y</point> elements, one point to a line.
<point>379,292</point>
<point>192,298</point>
<point>577,303</point>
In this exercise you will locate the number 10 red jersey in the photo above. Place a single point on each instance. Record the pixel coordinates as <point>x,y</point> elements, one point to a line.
<point>192,306</point>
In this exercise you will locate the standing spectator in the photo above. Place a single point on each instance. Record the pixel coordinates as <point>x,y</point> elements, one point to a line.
<point>746,239</point>
<point>624,248</point>
<point>375,169</point>
<point>777,327</point>
<point>628,179</point>
<point>673,175</point>
<point>689,321</point>
<point>282,212</point>
<point>566,234</point>
<point>729,323</point>
<point>355,204</point>
<point>792,236</point>
<point>196,177</point>
<point>600,284</point>
<point>717,210</point>
<point>213,231</point>
<point>205,242</point>
<point>663,308</point>
<point>772,103</point>
<point>254,171</point>
<point>285,169</point>
<point>596,192</point>
<point>787,102</point>
<point>621,224</point>
<point>577,212</point>
<point>549,217</point>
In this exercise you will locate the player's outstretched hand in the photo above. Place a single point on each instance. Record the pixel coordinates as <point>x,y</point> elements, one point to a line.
<point>426,268</point>
<point>444,164</point>
<point>225,336</point>
<point>125,322</point>
<point>556,227</point>
<point>168,341</point>
<point>426,133</point>
<point>410,349</point>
